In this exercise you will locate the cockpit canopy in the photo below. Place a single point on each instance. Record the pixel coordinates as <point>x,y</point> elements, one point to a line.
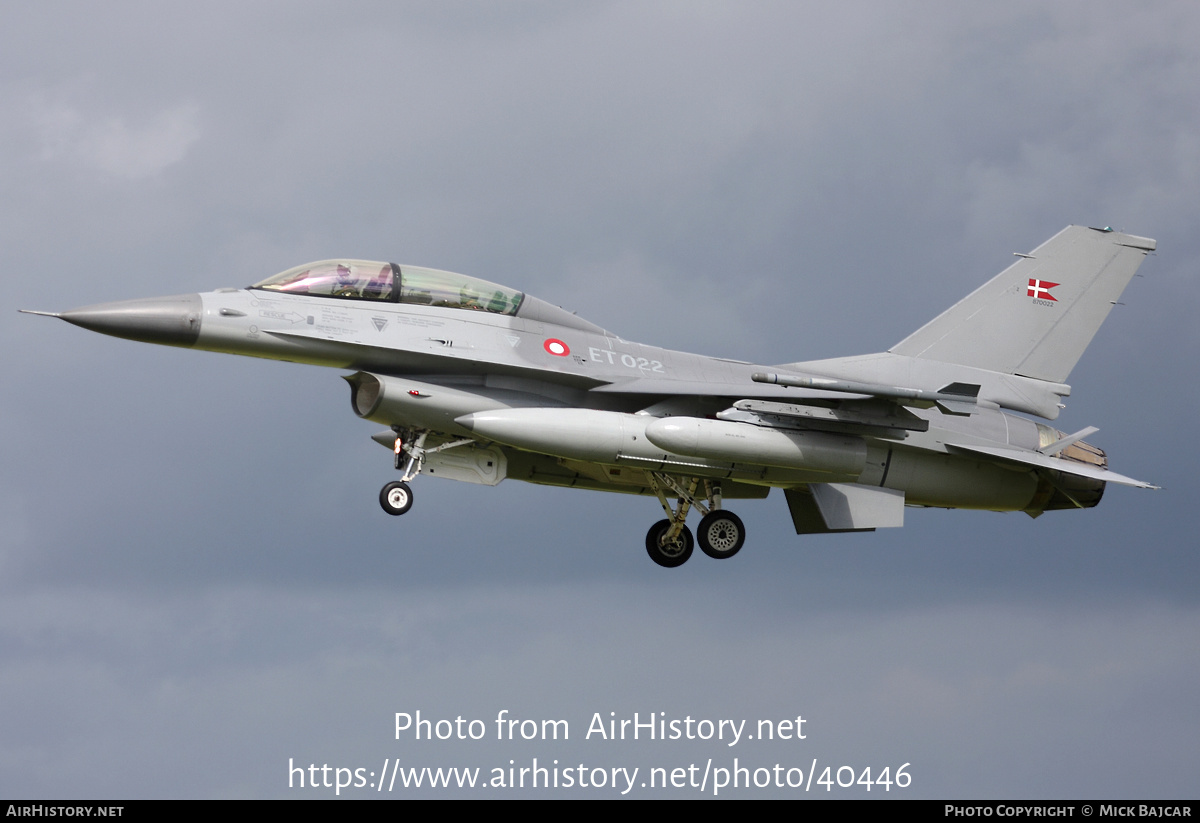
<point>389,283</point>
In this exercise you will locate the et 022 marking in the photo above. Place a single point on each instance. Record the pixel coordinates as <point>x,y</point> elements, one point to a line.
<point>626,360</point>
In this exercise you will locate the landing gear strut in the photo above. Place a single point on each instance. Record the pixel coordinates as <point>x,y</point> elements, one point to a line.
<point>409,452</point>
<point>669,542</point>
<point>396,497</point>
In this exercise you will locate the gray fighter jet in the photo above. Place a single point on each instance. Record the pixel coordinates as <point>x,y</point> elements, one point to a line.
<point>479,382</point>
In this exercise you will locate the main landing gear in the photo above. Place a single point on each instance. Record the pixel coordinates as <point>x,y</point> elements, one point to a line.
<point>396,497</point>
<point>669,542</point>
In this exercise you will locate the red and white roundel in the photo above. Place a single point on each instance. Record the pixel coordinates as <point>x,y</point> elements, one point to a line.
<point>556,347</point>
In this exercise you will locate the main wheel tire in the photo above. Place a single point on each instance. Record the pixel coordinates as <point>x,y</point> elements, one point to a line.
<point>721,534</point>
<point>396,498</point>
<point>674,554</point>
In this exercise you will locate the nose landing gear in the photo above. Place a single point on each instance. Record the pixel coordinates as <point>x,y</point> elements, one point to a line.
<point>396,497</point>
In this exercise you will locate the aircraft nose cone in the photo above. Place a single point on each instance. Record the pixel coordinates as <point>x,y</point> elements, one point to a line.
<point>171,321</point>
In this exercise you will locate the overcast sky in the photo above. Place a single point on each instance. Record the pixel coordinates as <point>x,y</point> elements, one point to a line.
<point>197,585</point>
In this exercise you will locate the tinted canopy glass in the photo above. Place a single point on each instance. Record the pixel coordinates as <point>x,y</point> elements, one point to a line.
<point>370,280</point>
<point>356,279</point>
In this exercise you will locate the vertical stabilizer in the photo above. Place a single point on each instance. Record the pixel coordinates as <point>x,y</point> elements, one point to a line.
<point>1036,317</point>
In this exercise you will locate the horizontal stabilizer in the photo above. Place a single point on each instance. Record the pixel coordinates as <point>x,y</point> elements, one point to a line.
<point>1045,461</point>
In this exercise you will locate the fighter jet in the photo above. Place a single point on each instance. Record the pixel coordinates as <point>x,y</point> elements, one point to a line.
<point>480,383</point>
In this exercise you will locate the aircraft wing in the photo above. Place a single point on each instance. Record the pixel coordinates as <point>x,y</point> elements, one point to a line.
<point>1045,461</point>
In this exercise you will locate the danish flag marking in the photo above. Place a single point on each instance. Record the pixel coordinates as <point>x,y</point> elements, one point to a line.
<point>1040,290</point>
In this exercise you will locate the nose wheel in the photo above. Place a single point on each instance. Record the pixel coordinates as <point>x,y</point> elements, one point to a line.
<point>396,498</point>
